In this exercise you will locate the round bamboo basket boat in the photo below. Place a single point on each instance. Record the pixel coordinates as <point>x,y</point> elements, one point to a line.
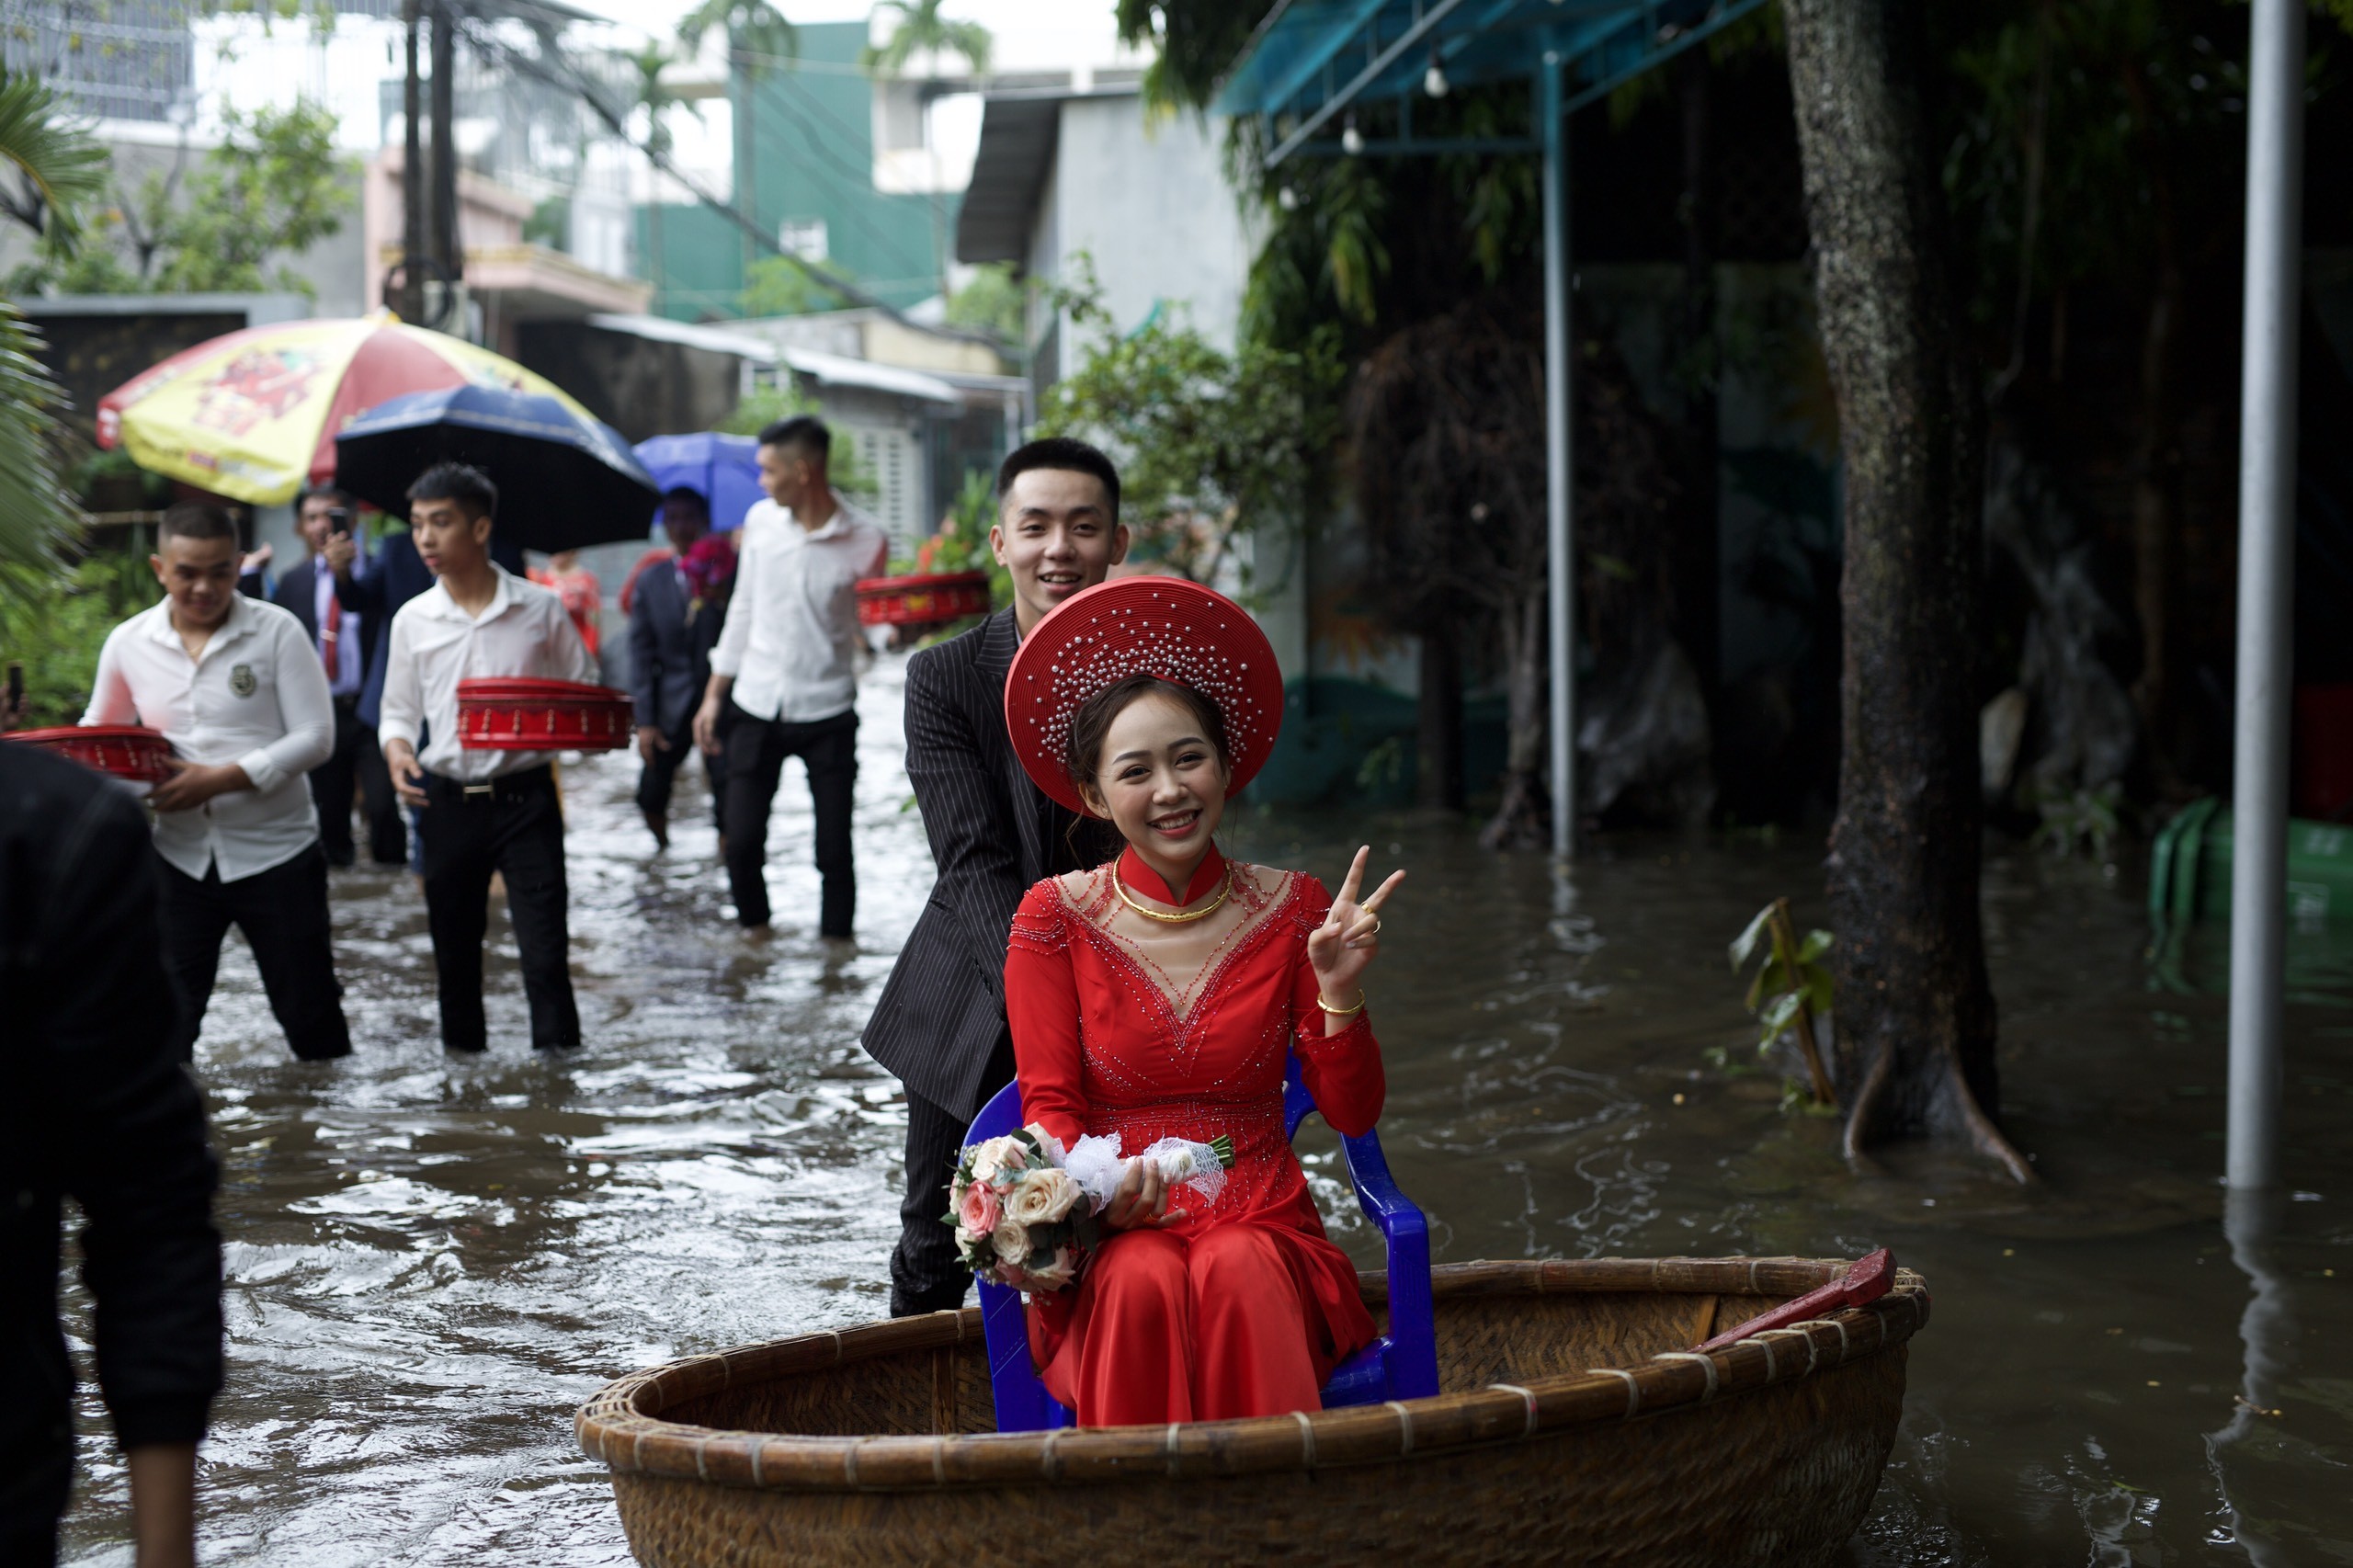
<point>1575,1427</point>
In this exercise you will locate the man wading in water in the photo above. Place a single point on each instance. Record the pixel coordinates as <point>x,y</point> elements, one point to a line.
<point>939,1025</point>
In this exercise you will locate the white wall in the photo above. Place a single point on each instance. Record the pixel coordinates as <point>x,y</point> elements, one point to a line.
<point>1149,202</point>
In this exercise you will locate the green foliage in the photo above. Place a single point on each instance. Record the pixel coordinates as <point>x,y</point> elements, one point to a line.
<point>2088,818</point>
<point>1792,982</point>
<point>549,223</point>
<point>757,34</point>
<point>58,630</point>
<point>767,403</point>
<point>922,30</point>
<point>992,302</point>
<point>276,184</point>
<point>780,286</point>
<point>54,167</point>
<point>1209,444</point>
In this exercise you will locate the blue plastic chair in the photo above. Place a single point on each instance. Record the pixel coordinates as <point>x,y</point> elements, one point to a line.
<point>1401,1364</point>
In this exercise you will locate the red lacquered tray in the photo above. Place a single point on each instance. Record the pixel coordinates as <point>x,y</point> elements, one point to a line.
<point>922,601</point>
<point>542,715</point>
<point>127,751</point>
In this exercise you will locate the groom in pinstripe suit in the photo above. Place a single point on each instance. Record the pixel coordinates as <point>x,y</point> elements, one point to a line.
<point>939,1024</point>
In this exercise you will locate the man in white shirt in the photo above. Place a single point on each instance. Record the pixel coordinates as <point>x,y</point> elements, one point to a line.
<point>784,677</point>
<point>481,812</point>
<point>232,683</point>
<point>346,641</point>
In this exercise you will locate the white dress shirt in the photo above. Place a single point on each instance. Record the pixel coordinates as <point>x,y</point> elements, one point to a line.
<point>255,697</point>
<point>523,634</point>
<point>792,641</point>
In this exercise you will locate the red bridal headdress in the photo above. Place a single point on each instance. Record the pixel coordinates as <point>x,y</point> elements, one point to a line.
<point>1167,627</point>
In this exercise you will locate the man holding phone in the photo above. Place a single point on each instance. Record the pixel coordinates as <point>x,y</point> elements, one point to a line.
<point>345,643</point>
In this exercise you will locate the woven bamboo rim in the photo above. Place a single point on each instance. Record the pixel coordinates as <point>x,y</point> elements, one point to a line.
<point>621,1426</point>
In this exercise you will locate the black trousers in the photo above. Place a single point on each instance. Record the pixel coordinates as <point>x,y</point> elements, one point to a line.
<point>356,760</point>
<point>283,913</point>
<point>513,826</point>
<point>925,1274</point>
<point>655,777</point>
<point>755,752</point>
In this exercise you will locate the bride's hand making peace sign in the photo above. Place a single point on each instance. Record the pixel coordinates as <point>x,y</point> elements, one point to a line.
<point>1347,940</point>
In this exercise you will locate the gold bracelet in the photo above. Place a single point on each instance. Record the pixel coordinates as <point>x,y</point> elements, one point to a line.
<point>1342,1012</point>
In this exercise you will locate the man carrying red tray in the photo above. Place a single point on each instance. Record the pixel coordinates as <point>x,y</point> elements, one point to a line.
<point>230,681</point>
<point>483,812</point>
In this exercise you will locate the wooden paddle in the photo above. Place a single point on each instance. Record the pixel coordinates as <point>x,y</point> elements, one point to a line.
<point>1867,1279</point>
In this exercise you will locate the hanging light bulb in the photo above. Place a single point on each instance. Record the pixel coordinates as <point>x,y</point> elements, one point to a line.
<point>1287,198</point>
<point>1433,80</point>
<point>1351,139</point>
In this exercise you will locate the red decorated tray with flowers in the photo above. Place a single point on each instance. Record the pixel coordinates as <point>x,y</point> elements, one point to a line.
<point>927,599</point>
<point>542,715</point>
<point>127,751</point>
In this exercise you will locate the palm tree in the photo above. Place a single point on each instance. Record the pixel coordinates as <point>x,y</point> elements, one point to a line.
<point>759,38</point>
<point>53,167</point>
<point>656,97</point>
<point>922,30</point>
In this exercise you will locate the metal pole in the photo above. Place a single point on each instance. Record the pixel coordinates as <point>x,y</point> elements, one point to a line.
<point>449,249</point>
<point>2267,563</point>
<point>1559,561</point>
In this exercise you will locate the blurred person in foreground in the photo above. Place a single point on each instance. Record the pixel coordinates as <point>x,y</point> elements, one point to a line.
<point>481,812</point>
<point>939,1026</point>
<point>346,641</point>
<point>676,606</point>
<point>784,675</point>
<point>101,1111</point>
<point>232,683</point>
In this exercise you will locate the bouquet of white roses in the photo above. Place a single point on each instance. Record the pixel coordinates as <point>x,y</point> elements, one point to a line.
<point>1024,1209</point>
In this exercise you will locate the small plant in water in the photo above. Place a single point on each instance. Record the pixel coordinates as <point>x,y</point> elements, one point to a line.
<point>1791,988</point>
<point>2089,817</point>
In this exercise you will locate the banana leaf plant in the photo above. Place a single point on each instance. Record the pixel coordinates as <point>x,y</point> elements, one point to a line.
<point>1792,987</point>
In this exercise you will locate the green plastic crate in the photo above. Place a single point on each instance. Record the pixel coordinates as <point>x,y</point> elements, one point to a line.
<point>2189,868</point>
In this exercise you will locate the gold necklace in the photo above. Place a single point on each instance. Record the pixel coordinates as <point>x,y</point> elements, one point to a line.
<point>1182,916</point>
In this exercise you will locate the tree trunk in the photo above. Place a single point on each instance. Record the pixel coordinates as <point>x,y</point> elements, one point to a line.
<point>1523,819</point>
<point>1438,759</point>
<point>1914,1008</point>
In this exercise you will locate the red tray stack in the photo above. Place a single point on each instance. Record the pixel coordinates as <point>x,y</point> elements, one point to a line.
<point>127,751</point>
<point>930,599</point>
<point>542,715</point>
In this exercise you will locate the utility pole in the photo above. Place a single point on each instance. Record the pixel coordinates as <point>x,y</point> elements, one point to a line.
<point>449,253</point>
<point>408,300</point>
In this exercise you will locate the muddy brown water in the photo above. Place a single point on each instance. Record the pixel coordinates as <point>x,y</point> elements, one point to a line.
<point>431,1262</point>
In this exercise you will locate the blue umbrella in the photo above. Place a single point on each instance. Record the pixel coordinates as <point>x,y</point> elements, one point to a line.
<point>564,478</point>
<point>725,469</point>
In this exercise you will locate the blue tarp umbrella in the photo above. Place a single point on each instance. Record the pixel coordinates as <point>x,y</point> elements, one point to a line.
<point>564,480</point>
<point>727,469</point>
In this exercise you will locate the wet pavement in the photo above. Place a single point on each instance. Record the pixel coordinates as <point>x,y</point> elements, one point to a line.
<point>432,1261</point>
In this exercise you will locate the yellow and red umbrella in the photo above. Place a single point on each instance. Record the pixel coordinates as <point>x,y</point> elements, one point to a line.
<point>253,414</point>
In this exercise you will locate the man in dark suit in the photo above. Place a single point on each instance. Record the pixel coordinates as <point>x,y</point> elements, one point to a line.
<point>345,643</point>
<point>674,622</point>
<point>101,1111</point>
<point>939,1024</point>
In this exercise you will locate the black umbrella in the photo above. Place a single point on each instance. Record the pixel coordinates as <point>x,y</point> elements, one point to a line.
<point>564,479</point>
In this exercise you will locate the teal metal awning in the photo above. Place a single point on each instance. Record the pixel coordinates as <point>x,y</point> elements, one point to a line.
<point>1311,61</point>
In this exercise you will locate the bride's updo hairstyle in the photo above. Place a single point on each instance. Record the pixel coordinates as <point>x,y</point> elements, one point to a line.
<point>1083,752</point>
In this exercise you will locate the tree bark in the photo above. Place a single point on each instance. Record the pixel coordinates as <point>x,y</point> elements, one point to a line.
<point>1438,761</point>
<point>1523,818</point>
<point>1914,1008</point>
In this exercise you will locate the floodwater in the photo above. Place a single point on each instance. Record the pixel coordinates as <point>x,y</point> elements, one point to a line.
<point>431,1262</point>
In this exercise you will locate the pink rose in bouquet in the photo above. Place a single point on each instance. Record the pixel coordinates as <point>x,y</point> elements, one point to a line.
<point>1020,1219</point>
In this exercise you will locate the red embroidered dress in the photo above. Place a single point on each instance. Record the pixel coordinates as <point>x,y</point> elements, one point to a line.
<point>1127,1025</point>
